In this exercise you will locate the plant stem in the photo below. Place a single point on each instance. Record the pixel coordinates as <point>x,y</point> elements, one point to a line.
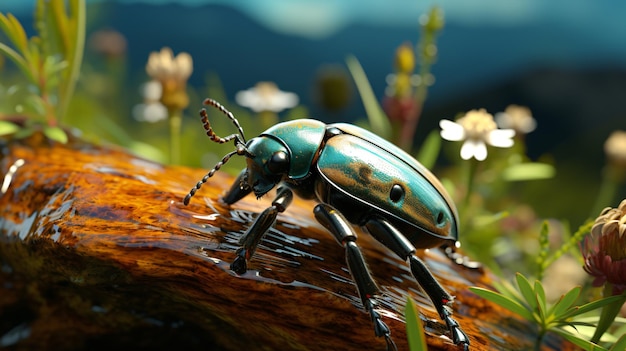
<point>175,124</point>
<point>567,246</point>
<point>268,119</point>
<point>539,340</point>
<point>472,165</point>
<point>609,312</point>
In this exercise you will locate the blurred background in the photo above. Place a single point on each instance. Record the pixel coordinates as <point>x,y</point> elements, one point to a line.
<point>564,59</point>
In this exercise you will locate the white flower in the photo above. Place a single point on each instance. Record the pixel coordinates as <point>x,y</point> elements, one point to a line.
<point>615,148</point>
<point>152,110</point>
<point>172,72</point>
<point>518,118</point>
<point>477,128</point>
<point>266,96</point>
<point>164,67</point>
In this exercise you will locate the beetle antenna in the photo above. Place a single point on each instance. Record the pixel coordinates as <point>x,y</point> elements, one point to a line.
<point>207,125</point>
<point>240,144</point>
<point>241,150</point>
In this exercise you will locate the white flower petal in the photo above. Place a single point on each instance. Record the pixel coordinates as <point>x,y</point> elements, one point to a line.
<point>150,112</point>
<point>250,99</point>
<point>474,148</point>
<point>451,131</point>
<point>480,152</point>
<point>282,101</point>
<point>503,120</point>
<point>152,90</point>
<point>501,137</point>
<point>266,97</point>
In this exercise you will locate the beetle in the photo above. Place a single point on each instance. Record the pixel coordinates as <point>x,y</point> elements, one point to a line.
<point>358,179</point>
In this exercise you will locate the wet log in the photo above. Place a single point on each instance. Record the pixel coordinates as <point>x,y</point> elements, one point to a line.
<point>98,251</point>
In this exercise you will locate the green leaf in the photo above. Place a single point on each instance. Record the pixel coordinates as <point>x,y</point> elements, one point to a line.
<point>565,302</point>
<point>587,345</point>
<point>59,24</point>
<point>506,288</point>
<point>55,133</point>
<point>575,324</point>
<point>7,127</point>
<point>503,301</point>
<point>528,171</point>
<point>377,118</point>
<point>19,61</point>
<point>14,31</point>
<point>429,151</point>
<point>578,310</point>
<point>75,54</point>
<point>23,133</point>
<point>527,291</point>
<point>414,329</point>
<point>620,344</point>
<point>540,295</point>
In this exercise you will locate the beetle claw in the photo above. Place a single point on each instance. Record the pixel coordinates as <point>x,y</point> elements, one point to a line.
<point>391,346</point>
<point>239,265</point>
<point>458,335</point>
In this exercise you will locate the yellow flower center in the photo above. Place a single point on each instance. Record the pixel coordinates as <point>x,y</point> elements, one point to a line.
<point>477,124</point>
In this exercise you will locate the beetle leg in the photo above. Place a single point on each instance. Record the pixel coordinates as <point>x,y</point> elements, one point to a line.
<point>251,239</point>
<point>459,259</point>
<point>334,221</point>
<point>389,236</point>
<point>238,190</point>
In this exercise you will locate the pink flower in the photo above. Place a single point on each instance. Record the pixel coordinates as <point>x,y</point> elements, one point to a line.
<point>604,249</point>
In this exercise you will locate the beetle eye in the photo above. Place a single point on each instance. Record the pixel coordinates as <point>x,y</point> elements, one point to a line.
<point>396,193</point>
<point>278,163</point>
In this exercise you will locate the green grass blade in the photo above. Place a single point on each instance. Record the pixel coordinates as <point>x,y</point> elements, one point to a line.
<point>528,171</point>
<point>414,329</point>
<point>429,150</point>
<point>503,301</point>
<point>377,118</point>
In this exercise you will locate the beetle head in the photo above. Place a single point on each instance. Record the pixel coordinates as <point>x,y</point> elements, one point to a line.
<point>268,163</point>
